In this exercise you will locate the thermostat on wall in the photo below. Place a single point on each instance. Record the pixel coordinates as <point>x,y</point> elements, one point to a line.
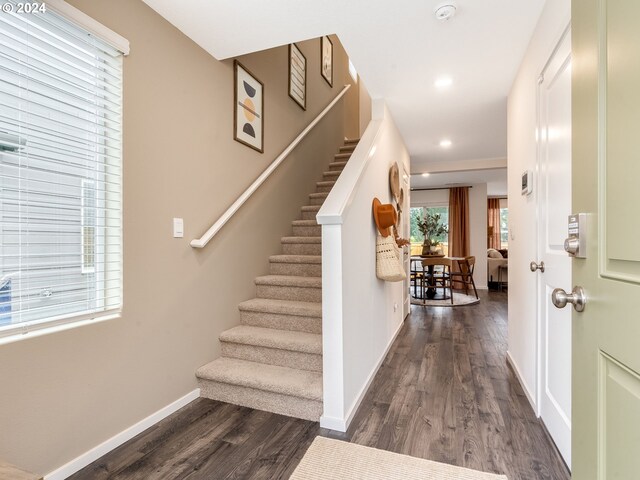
<point>527,182</point>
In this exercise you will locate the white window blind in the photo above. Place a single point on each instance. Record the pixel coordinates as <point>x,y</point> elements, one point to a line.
<point>60,173</point>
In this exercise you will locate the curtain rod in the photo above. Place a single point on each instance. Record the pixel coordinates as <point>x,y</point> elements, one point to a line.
<point>440,188</point>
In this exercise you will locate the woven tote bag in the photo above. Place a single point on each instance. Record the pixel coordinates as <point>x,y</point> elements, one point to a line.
<point>389,260</point>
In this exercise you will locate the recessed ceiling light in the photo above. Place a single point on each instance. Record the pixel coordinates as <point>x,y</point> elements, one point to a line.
<point>446,143</point>
<point>443,82</point>
<point>445,11</point>
<point>426,174</point>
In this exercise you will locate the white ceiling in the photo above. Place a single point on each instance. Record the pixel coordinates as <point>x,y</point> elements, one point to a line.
<point>399,49</point>
<point>496,180</point>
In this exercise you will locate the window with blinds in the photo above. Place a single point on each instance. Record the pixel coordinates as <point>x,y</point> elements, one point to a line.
<point>60,173</point>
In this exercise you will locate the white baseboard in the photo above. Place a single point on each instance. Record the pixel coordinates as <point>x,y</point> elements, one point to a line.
<point>95,453</point>
<point>523,384</point>
<point>342,424</point>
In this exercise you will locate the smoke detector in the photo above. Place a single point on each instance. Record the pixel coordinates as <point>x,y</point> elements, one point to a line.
<point>445,12</point>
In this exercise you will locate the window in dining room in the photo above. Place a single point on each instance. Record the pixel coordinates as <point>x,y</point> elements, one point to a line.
<point>417,238</point>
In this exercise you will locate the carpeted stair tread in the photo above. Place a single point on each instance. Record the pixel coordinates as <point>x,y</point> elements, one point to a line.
<point>283,307</point>
<point>342,156</point>
<point>274,338</point>
<point>319,195</point>
<point>301,240</point>
<point>289,281</point>
<point>311,208</point>
<point>295,259</point>
<point>260,376</point>
<point>327,183</point>
<point>337,165</point>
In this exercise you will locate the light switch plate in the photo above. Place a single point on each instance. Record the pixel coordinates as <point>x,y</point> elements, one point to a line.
<point>178,228</point>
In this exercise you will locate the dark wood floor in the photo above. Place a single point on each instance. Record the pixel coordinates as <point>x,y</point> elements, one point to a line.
<point>444,393</point>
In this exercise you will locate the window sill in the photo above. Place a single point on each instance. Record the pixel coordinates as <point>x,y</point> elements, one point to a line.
<point>24,332</point>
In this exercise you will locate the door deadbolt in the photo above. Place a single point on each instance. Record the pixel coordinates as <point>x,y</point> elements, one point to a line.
<point>537,266</point>
<point>577,298</point>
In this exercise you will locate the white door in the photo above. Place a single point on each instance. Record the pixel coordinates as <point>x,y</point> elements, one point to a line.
<point>554,205</point>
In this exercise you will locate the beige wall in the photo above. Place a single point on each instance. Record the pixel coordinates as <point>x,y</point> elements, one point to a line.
<point>63,394</point>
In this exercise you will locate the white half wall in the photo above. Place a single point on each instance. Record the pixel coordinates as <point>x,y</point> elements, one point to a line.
<point>361,315</point>
<point>477,222</point>
<point>521,152</point>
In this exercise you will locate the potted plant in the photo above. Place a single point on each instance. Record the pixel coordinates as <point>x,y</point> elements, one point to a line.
<point>433,229</point>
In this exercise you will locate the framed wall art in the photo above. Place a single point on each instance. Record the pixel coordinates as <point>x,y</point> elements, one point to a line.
<point>297,76</point>
<point>248,111</point>
<point>326,56</point>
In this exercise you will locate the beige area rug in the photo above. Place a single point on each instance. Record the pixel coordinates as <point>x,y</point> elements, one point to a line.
<point>459,299</point>
<point>329,459</point>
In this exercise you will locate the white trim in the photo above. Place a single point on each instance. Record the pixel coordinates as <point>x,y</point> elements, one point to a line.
<point>114,442</point>
<point>226,216</point>
<point>94,27</point>
<point>23,331</point>
<point>523,384</point>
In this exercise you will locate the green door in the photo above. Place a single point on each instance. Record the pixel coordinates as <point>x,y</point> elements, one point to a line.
<point>606,184</point>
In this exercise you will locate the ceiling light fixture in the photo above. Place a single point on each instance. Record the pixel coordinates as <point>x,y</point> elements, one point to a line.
<point>446,143</point>
<point>426,174</point>
<point>445,11</point>
<point>443,82</point>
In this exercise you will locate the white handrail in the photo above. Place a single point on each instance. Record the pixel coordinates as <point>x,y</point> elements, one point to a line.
<point>226,216</point>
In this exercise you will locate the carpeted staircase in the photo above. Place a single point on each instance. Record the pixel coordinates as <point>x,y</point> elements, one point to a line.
<point>273,360</point>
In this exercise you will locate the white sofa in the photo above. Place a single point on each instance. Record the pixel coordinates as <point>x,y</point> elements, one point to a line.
<point>494,262</point>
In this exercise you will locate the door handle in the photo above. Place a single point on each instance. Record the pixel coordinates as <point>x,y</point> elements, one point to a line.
<point>577,298</point>
<point>537,266</point>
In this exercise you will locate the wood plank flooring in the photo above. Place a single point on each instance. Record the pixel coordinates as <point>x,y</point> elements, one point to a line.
<point>444,393</point>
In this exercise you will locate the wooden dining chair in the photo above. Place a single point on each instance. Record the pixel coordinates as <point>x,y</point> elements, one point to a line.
<point>437,279</point>
<point>464,273</point>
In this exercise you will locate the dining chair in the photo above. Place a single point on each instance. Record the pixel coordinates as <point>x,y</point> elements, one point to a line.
<point>437,278</point>
<point>464,273</point>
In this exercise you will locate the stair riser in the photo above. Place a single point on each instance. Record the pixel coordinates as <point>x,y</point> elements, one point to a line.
<point>323,188</point>
<point>309,215</point>
<point>296,269</point>
<point>300,294</point>
<point>338,167</point>
<point>279,321</point>
<point>261,400</point>
<point>307,231</point>
<point>347,149</point>
<point>273,356</point>
<point>302,248</point>
<point>316,201</point>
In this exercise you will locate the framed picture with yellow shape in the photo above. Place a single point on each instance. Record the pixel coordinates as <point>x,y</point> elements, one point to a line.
<point>248,111</point>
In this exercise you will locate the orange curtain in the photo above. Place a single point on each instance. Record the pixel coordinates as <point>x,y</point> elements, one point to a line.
<point>493,223</point>
<point>459,235</point>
